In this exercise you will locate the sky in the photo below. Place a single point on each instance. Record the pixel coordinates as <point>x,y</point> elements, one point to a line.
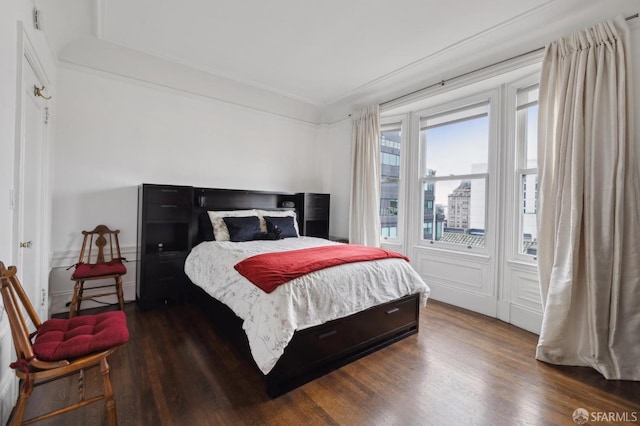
<point>459,148</point>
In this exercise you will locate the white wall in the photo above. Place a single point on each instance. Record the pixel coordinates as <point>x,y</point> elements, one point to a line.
<point>335,157</point>
<point>115,133</point>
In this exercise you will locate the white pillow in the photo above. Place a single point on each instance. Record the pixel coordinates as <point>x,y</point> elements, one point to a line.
<point>276,213</point>
<point>220,231</point>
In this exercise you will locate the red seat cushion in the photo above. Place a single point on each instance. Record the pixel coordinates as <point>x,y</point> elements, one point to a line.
<point>90,270</point>
<point>59,339</point>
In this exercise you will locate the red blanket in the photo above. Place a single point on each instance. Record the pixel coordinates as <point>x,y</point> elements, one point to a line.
<point>270,270</point>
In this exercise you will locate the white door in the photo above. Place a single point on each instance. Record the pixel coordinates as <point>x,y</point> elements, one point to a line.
<point>29,191</point>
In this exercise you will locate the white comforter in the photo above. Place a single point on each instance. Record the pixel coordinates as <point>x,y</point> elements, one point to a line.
<point>271,319</point>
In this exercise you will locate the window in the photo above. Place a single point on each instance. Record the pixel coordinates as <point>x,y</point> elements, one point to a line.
<point>456,169</point>
<point>390,148</point>
<point>526,165</point>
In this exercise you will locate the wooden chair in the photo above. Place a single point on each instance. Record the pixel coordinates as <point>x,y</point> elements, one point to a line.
<point>62,347</point>
<point>103,262</point>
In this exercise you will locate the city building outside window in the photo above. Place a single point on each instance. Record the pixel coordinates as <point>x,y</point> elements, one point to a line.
<point>390,149</point>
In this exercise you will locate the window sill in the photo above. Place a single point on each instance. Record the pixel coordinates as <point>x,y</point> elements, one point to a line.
<point>442,251</point>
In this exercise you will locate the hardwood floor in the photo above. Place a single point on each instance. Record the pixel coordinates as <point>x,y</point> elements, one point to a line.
<point>461,369</point>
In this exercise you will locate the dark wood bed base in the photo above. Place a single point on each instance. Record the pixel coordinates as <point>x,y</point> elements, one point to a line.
<point>315,351</point>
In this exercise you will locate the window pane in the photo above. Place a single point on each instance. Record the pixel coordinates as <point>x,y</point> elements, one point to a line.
<point>457,142</point>
<point>454,212</point>
<point>389,205</point>
<point>390,153</point>
<point>527,140</point>
<point>532,137</point>
<point>390,139</point>
<point>529,191</point>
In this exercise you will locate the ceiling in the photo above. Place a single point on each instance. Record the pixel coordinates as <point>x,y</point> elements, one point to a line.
<point>317,52</point>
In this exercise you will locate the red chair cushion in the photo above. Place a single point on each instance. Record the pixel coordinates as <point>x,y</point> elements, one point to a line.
<point>90,270</point>
<point>59,339</point>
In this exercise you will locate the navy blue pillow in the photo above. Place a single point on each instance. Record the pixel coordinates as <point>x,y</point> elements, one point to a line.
<point>284,224</point>
<point>243,228</point>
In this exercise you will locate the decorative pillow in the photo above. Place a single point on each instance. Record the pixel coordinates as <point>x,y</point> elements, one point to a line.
<point>277,213</point>
<point>283,224</point>
<point>220,231</point>
<point>243,228</point>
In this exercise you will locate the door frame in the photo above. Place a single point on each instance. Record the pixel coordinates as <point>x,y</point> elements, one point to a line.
<point>27,52</point>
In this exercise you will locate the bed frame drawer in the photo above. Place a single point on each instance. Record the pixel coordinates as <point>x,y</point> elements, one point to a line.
<point>320,343</point>
<point>340,337</point>
<point>387,318</point>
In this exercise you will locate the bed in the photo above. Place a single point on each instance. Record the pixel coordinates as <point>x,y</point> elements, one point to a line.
<point>310,325</point>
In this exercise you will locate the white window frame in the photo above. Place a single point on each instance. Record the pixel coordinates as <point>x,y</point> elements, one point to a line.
<point>518,157</point>
<point>491,98</point>
<point>390,123</point>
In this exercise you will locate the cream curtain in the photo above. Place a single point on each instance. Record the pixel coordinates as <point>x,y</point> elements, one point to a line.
<point>589,204</point>
<point>364,218</point>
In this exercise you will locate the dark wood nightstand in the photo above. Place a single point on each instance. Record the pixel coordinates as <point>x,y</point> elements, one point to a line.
<point>314,212</point>
<point>164,217</point>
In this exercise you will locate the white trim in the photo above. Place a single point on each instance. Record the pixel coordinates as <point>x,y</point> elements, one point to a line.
<point>523,266</point>
<point>480,303</point>
<point>64,259</point>
<point>526,318</point>
<point>475,77</point>
<point>481,74</point>
<point>66,64</point>
<point>8,394</point>
<point>491,98</point>
<point>404,160</point>
<point>9,381</point>
<point>26,52</point>
<point>503,311</point>
<point>455,254</point>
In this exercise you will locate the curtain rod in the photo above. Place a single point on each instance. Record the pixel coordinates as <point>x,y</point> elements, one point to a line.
<point>445,81</point>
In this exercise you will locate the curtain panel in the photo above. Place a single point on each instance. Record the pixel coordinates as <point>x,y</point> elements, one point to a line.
<point>364,217</point>
<point>589,204</point>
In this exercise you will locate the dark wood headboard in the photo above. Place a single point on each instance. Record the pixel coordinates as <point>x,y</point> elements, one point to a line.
<point>206,199</point>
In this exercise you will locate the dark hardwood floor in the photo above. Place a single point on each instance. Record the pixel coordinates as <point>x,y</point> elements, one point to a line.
<point>461,369</point>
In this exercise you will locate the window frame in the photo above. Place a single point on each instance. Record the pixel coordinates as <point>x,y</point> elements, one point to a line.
<point>521,169</point>
<point>391,123</point>
<point>491,98</point>
<point>518,157</point>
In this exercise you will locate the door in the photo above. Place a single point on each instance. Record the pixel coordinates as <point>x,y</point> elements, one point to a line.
<point>30,189</point>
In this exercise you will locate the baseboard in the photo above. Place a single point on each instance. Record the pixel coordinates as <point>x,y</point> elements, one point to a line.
<point>471,301</point>
<point>58,300</point>
<point>517,315</point>
<point>8,395</point>
<point>526,319</point>
<point>503,310</point>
